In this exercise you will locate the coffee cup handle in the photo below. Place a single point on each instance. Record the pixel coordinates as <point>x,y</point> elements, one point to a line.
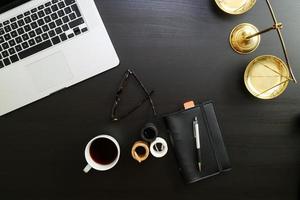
<point>87,168</point>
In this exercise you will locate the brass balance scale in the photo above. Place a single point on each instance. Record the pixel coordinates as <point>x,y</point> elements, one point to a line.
<point>267,76</point>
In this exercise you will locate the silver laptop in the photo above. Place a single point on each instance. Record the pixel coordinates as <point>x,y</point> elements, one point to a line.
<point>48,45</point>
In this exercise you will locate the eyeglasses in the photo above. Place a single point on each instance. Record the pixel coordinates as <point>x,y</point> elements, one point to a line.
<point>123,84</point>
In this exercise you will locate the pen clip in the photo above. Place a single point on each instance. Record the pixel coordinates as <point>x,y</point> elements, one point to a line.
<point>194,126</point>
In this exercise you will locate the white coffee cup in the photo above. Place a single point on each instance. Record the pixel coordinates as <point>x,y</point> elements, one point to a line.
<point>98,166</point>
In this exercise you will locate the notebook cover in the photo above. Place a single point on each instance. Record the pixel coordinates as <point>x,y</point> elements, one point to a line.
<point>213,152</point>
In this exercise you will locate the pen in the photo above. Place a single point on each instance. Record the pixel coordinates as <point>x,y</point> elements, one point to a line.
<point>197,137</point>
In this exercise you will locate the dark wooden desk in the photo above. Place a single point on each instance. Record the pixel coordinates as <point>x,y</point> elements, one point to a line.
<point>180,49</point>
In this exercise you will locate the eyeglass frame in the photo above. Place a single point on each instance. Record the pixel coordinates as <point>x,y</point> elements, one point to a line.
<point>121,87</point>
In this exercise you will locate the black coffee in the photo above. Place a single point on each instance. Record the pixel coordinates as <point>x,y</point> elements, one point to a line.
<point>103,151</point>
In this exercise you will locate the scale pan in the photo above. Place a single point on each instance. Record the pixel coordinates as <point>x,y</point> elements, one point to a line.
<point>266,77</point>
<point>235,7</point>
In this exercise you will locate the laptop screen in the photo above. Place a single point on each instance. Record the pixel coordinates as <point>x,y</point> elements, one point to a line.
<point>6,5</point>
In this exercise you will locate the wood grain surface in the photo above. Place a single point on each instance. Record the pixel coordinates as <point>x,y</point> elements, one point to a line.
<point>180,49</point>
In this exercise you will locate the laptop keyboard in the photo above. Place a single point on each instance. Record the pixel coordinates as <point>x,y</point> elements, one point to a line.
<point>38,29</point>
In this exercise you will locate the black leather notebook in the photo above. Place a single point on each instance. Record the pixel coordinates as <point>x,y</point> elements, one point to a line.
<point>214,157</point>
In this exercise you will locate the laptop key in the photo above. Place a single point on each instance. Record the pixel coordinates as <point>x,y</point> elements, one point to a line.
<point>7,36</point>
<point>21,22</point>
<point>20,16</point>
<point>35,49</point>
<point>71,35</point>
<point>60,13</point>
<point>55,40</point>
<point>32,34</point>
<point>6,22</point>
<point>58,22</point>
<point>34,25</point>
<point>65,19</point>
<point>14,34</point>
<point>72,16</point>
<point>61,5</point>
<point>38,39</point>
<point>33,10</point>
<point>41,14</point>
<point>76,31</point>
<point>76,10</point>
<point>45,36</point>
<point>20,31</point>
<point>76,23</point>
<point>65,27</point>
<point>1,64</point>
<point>14,25</point>
<point>18,48</point>
<point>38,31</point>
<point>31,42</point>
<point>41,7</point>
<point>25,37</point>
<point>54,16</point>
<point>6,61</point>
<point>5,54</point>
<point>14,58</point>
<point>54,8</point>
<point>25,45</point>
<point>52,25</point>
<point>68,10</point>
<point>41,22</point>
<point>13,19</point>
<point>27,20</point>
<point>45,28</point>
<point>5,45</point>
<point>27,28</point>
<point>34,17</point>
<point>84,30</point>
<point>48,11</point>
<point>11,51</point>
<point>69,2</point>
<point>12,42</point>
<point>58,30</point>
<point>51,33</point>
<point>7,28</point>
<point>47,19</point>
<point>18,40</point>
<point>63,37</point>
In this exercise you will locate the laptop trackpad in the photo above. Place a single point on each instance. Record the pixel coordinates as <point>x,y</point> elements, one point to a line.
<point>50,72</point>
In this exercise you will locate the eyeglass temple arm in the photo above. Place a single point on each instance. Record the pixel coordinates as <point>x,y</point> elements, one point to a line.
<point>148,94</point>
<point>114,114</point>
